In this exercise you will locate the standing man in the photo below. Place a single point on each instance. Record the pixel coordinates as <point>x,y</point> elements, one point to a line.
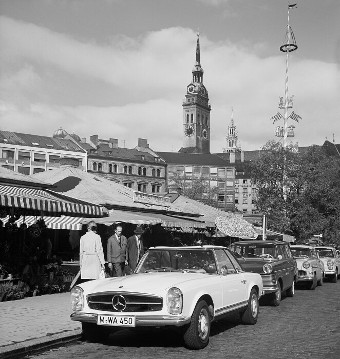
<point>116,252</point>
<point>91,254</point>
<point>135,248</point>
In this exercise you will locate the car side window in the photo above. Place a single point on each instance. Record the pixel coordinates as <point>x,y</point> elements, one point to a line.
<point>234,261</point>
<point>280,251</point>
<point>225,266</point>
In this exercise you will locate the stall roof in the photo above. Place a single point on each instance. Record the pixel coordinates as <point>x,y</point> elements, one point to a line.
<point>96,189</point>
<point>185,224</point>
<point>230,224</point>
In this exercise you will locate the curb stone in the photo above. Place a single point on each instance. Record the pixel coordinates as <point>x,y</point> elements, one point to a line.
<point>19,350</point>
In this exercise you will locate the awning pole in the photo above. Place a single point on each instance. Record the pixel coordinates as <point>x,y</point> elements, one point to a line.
<point>264,228</point>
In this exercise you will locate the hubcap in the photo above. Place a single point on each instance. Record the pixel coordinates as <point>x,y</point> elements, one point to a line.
<point>203,324</point>
<point>254,306</point>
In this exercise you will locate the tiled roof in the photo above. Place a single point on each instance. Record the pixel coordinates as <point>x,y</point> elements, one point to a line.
<point>192,159</point>
<point>37,141</point>
<point>131,154</point>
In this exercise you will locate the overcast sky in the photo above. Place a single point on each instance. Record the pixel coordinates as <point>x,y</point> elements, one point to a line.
<point>119,68</point>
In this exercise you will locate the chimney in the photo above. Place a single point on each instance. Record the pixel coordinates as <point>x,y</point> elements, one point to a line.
<point>143,142</point>
<point>232,157</point>
<point>94,139</point>
<point>113,142</point>
<point>242,156</point>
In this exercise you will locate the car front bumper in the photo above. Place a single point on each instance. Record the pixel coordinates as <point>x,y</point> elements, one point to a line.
<point>141,320</point>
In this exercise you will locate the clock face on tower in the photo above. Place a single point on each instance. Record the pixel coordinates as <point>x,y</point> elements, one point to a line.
<point>189,131</point>
<point>191,89</point>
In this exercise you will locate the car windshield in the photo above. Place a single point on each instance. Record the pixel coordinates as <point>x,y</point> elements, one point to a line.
<point>161,260</point>
<point>300,252</point>
<point>325,252</point>
<point>254,250</point>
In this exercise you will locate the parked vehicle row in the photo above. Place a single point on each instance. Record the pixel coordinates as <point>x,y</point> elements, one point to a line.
<point>187,288</point>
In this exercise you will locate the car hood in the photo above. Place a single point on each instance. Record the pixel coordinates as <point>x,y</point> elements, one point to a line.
<point>254,265</point>
<point>153,283</point>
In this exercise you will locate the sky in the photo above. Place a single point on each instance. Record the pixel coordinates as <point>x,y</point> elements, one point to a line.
<point>119,68</point>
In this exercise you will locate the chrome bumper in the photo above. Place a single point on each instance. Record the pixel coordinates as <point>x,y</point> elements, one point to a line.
<point>141,321</point>
<point>305,278</point>
<point>267,290</point>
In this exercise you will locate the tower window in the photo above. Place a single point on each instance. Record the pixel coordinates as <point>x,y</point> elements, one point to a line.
<point>187,118</point>
<point>192,118</point>
<point>94,166</point>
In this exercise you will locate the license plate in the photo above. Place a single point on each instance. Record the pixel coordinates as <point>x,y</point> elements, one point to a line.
<point>116,320</point>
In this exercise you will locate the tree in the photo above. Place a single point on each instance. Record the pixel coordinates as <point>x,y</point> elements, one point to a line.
<point>197,190</point>
<point>298,191</point>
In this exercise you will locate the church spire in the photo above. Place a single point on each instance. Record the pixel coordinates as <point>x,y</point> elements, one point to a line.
<point>198,51</point>
<point>197,72</point>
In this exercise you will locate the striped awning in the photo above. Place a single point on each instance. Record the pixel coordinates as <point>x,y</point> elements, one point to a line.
<point>44,201</point>
<point>62,222</point>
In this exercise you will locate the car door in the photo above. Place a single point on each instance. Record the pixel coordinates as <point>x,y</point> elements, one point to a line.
<point>233,282</point>
<point>317,264</point>
<point>288,265</point>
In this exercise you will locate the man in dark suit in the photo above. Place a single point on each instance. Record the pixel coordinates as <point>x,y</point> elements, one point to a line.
<point>116,252</point>
<point>134,248</point>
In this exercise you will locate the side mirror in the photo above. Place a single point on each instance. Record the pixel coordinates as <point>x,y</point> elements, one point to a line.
<point>279,257</point>
<point>224,270</point>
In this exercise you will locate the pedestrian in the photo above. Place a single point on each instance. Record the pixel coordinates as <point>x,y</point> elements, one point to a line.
<point>116,252</point>
<point>91,254</point>
<point>135,248</point>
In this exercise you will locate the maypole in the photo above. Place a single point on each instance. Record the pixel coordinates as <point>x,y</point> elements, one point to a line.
<point>286,102</point>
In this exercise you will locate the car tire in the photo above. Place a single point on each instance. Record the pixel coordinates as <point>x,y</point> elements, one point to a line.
<point>93,333</point>
<point>250,315</point>
<point>276,297</point>
<point>291,290</point>
<point>334,278</point>
<point>320,282</point>
<point>314,283</point>
<point>196,335</point>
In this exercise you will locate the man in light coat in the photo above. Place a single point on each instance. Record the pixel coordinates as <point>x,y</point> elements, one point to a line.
<point>91,254</point>
<point>135,248</point>
<point>116,252</point>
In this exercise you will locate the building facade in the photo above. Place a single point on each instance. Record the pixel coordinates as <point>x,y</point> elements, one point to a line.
<point>138,168</point>
<point>29,154</point>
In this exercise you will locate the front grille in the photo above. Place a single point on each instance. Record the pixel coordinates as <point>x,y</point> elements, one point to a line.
<point>134,302</point>
<point>301,273</point>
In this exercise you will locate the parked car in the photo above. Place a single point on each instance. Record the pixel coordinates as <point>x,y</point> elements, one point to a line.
<point>331,260</point>
<point>310,266</point>
<point>274,261</point>
<point>183,287</point>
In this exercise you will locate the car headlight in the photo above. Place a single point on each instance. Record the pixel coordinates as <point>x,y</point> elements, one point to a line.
<point>267,268</point>
<point>330,264</point>
<point>306,265</point>
<point>174,300</point>
<point>77,299</point>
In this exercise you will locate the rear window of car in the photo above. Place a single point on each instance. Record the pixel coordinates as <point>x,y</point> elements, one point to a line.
<point>254,250</point>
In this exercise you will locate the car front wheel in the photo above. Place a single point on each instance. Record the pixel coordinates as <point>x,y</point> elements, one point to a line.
<point>94,333</point>
<point>196,335</point>
<point>291,291</point>
<point>250,315</point>
<point>334,278</point>
<point>276,297</point>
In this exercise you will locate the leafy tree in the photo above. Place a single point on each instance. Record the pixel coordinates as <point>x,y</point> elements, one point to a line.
<point>197,190</point>
<point>299,191</point>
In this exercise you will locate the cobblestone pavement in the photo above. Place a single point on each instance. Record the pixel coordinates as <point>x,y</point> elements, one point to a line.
<point>306,326</point>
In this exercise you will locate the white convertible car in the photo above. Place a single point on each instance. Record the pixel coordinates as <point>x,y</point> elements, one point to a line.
<point>184,287</point>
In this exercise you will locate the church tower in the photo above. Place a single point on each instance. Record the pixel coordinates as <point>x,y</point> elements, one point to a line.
<point>196,112</point>
<point>232,137</point>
